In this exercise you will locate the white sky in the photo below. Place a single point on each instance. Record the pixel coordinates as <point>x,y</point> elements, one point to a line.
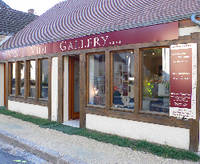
<point>40,6</point>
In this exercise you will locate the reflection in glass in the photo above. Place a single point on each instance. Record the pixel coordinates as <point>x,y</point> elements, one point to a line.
<point>13,77</point>
<point>21,78</point>
<point>32,78</point>
<point>97,79</point>
<point>44,78</point>
<point>156,65</point>
<point>123,84</point>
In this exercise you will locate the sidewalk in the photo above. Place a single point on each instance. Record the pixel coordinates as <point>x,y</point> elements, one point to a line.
<point>62,148</point>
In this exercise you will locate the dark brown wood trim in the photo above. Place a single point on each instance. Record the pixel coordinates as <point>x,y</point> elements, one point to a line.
<point>28,100</point>
<point>148,118</point>
<point>107,80</point>
<point>6,84</point>
<point>83,91</point>
<point>26,79</point>
<point>60,89</point>
<point>137,69</point>
<point>17,81</point>
<point>37,72</point>
<point>186,23</point>
<point>49,87</point>
<point>194,130</point>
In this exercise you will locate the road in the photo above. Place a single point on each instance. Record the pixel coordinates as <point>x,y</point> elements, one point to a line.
<point>10,154</point>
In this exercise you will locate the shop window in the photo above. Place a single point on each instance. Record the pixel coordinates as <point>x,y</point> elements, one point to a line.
<point>12,74</point>
<point>97,79</point>
<point>32,78</point>
<point>43,79</point>
<point>156,65</point>
<point>123,80</point>
<point>21,78</point>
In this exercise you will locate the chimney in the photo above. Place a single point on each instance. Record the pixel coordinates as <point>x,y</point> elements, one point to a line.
<point>31,11</point>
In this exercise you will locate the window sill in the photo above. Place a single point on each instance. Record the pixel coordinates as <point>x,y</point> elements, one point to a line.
<point>154,113</point>
<point>96,106</point>
<point>122,109</point>
<point>28,100</point>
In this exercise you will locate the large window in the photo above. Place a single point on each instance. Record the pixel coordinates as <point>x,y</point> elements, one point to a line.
<point>21,78</point>
<point>123,80</point>
<point>156,80</point>
<point>12,78</point>
<point>97,79</point>
<point>32,78</point>
<point>43,80</point>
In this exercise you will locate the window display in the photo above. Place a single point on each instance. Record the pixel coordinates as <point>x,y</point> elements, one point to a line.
<point>32,79</point>
<point>21,78</point>
<point>123,80</point>
<point>97,79</point>
<point>44,78</point>
<point>13,77</point>
<point>156,65</point>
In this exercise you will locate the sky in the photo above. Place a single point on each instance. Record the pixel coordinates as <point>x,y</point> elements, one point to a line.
<point>40,6</point>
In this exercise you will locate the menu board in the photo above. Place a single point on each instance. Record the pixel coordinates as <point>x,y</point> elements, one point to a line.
<point>183,76</point>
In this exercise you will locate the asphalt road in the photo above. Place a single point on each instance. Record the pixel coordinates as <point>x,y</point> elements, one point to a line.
<point>6,158</point>
<point>10,154</point>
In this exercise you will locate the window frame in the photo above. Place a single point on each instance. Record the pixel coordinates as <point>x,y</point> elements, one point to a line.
<point>87,79</point>
<point>39,78</point>
<point>28,78</point>
<point>141,71</point>
<point>112,53</point>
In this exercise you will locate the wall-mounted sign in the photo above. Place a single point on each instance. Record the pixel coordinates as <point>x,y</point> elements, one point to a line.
<point>183,81</point>
<point>159,32</point>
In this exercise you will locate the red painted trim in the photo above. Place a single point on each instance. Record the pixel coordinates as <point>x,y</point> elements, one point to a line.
<point>159,32</point>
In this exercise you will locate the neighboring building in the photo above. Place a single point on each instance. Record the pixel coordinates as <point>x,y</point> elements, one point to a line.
<point>12,21</point>
<point>121,67</point>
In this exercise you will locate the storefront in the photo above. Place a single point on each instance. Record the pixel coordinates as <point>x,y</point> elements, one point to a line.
<point>140,83</point>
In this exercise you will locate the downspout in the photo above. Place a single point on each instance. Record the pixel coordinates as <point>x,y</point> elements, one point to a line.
<point>194,20</point>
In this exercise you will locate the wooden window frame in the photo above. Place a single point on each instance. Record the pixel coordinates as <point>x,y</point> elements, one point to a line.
<point>141,71</point>
<point>87,79</point>
<point>28,73</point>
<point>38,80</point>
<point>111,70</point>
<point>18,74</point>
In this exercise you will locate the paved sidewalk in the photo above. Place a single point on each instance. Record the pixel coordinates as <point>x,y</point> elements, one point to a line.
<point>58,147</point>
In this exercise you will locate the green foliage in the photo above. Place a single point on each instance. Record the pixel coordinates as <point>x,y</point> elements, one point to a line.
<point>159,150</point>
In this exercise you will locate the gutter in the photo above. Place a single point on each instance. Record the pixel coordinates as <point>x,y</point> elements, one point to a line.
<point>194,20</point>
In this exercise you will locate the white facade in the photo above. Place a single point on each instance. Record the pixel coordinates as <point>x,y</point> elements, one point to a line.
<point>54,89</point>
<point>166,135</point>
<point>28,109</point>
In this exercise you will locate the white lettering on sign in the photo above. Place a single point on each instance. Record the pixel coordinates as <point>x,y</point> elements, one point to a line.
<point>92,42</point>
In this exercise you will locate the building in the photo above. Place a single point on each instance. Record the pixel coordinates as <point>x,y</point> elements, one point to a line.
<point>11,21</point>
<point>121,67</point>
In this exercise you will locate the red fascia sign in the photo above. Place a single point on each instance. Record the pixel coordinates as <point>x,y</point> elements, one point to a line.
<point>153,33</point>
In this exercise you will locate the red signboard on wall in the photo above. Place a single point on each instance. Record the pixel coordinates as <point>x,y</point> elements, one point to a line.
<point>155,33</point>
<point>181,77</point>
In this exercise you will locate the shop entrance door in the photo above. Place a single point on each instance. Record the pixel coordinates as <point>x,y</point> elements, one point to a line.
<point>73,87</point>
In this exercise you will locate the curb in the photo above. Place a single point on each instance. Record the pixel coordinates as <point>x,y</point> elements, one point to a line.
<point>42,152</point>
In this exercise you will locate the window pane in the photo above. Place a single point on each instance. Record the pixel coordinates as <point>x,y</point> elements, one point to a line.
<point>32,78</point>
<point>97,79</point>
<point>21,78</point>
<point>13,77</point>
<point>156,67</point>
<point>44,78</point>
<point>123,76</point>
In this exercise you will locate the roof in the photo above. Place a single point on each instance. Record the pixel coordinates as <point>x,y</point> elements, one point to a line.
<point>76,18</point>
<point>12,21</point>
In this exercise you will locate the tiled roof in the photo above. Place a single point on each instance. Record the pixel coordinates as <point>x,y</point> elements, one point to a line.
<point>12,21</point>
<point>76,18</point>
